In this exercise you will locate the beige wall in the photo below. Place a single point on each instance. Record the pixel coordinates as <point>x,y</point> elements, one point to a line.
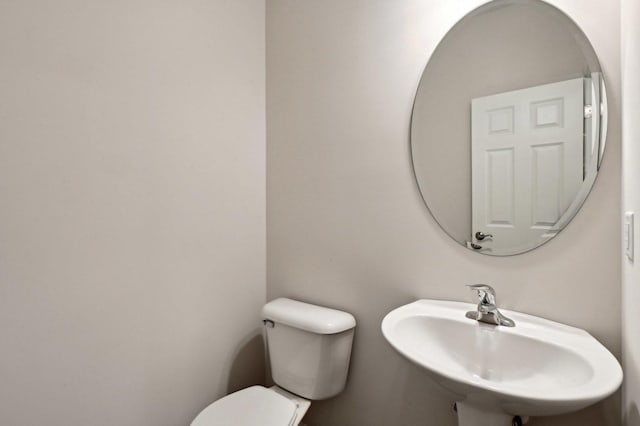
<point>631,202</point>
<point>132,230</point>
<point>347,227</point>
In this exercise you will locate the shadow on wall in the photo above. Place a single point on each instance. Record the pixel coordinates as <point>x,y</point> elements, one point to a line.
<point>605,412</point>
<point>632,416</point>
<point>248,367</point>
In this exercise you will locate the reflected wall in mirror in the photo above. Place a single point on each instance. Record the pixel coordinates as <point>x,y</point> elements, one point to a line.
<point>508,126</point>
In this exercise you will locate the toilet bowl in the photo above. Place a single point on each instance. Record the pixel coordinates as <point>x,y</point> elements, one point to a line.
<point>309,352</point>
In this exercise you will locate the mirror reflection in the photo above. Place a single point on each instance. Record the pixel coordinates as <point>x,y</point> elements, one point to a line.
<point>508,126</point>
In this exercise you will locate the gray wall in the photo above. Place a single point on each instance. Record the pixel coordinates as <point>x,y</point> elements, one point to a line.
<point>347,227</point>
<point>631,202</point>
<point>132,230</point>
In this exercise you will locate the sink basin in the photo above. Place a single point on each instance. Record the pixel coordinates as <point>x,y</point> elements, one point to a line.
<point>539,367</point>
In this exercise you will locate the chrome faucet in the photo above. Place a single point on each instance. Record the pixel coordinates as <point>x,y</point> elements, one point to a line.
<point>487,310</point>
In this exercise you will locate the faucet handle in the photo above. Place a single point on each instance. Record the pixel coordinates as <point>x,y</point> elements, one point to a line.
<point>485,293</point>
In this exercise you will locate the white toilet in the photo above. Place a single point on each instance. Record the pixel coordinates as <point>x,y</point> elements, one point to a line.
<point>309,350</point>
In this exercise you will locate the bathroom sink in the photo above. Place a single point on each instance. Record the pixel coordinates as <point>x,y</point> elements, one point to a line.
<point>539,367</point>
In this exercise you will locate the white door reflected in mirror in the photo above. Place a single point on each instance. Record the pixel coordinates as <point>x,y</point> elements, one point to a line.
<point>527,161</point>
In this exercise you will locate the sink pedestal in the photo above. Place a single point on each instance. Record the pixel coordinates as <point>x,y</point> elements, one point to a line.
<point>469,415</point>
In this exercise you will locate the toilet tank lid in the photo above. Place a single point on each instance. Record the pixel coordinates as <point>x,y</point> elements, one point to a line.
<point>308,317</point>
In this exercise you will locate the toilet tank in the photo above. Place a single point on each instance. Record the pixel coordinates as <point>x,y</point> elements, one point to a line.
<point>309,347</point>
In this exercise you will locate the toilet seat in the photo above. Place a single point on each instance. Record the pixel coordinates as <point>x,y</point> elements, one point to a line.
<point>253,406</point>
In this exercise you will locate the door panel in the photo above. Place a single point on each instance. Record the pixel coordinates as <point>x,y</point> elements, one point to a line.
<point>527,159</point>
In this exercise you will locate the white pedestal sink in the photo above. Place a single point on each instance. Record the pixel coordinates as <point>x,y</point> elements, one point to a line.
<point>537,368</point>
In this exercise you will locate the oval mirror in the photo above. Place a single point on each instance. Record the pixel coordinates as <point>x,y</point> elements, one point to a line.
<point>508,126</point>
